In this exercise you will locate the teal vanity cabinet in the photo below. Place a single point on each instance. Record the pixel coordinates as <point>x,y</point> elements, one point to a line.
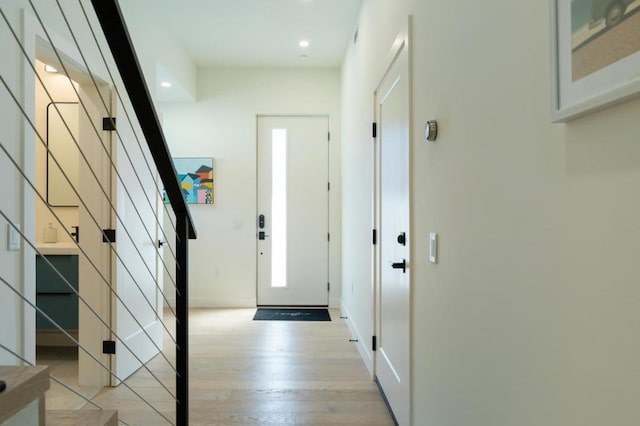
<point>53,295</point>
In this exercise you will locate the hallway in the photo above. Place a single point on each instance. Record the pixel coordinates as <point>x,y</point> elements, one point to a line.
<point>247,372</point>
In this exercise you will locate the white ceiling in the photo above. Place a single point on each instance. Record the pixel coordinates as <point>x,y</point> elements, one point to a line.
<point>259,33</point>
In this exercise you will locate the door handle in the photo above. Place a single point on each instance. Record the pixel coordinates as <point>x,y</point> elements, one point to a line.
<point>262,235</point>
<point>400,265</point>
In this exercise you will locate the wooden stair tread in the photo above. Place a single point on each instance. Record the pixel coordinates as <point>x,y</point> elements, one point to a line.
<point>82,417</point>
<point>24,385</point>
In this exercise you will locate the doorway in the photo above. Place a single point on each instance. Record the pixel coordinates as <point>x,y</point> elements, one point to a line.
<point>105,277</point>
<point>68,114</point>
<point>392,217</point>
<point>293,211</point>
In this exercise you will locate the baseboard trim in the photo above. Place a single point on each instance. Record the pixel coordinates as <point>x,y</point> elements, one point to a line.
<point>208,302</point>
<point>386,402</point>
<point>365,353</point>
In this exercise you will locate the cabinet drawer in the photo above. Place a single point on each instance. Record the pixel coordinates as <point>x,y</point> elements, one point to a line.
<point>61,307</point>
<point>48,281</point>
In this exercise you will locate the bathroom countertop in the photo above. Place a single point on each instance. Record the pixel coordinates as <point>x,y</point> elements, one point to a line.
<point>57,248</point>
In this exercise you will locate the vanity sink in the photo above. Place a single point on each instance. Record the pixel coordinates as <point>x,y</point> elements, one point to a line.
<point>57,248</point>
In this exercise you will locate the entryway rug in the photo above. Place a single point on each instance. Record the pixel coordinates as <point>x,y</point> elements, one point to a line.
<point>273,314</point>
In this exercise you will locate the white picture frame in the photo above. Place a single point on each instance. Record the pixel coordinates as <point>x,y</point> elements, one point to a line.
<point>578,90</point>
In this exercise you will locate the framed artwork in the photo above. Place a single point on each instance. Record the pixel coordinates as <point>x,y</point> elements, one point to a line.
<point>196,179</point>
<point>595,55</point>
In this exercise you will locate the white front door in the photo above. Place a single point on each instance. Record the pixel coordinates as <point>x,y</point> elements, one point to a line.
<point>393,275</point>
<point>293,211</point>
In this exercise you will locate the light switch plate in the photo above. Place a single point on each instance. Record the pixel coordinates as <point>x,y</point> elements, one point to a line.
<point>433,247</point>
<point>13,238</point>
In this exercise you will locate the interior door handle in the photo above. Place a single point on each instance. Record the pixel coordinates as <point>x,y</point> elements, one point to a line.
<point>400,265</point>
<point>262,235</point>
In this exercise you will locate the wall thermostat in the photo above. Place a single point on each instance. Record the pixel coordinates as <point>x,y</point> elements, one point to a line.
<point>431,130</point>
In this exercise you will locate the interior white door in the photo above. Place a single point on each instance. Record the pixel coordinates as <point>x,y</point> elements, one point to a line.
<point>137,314</point>
<point>393,307</point>
<point>293,211</point>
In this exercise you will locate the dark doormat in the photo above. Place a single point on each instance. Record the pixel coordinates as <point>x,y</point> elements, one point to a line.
<point>272,314</point>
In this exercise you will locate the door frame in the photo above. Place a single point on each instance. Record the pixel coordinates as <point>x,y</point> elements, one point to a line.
<point>257,207</point>
<point>402,41</point>
<point>36,45</point>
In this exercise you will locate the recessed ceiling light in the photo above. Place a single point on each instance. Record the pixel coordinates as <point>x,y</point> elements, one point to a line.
<point>49,68</point>
<point>165,84</point>
<point>303,43</point>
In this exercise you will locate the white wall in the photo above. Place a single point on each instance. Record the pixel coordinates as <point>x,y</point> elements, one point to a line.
<point>10,196</point>
<point>159,53</point>
<point>530,317</point>
<point>222,125</point>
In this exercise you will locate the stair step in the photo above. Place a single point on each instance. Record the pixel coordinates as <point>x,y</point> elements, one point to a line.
<point>82,418</point>
<point>24,385</point>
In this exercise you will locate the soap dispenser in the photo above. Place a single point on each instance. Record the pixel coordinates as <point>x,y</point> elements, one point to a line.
<point>50,234</point>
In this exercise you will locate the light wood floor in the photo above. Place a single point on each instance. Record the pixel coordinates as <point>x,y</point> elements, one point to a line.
<point>245,372</point>
<point>63,365</point>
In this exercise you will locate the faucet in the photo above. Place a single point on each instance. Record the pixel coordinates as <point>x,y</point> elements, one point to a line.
<point>76,233</point>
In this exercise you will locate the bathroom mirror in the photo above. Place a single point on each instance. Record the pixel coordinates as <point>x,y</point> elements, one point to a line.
<point>62,147</point>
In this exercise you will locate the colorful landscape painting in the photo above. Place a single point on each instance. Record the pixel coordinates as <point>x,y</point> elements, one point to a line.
<point>196,179</point>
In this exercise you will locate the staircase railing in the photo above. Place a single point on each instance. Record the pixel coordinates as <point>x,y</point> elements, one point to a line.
<point>23,32</point>
<point>122,49</point>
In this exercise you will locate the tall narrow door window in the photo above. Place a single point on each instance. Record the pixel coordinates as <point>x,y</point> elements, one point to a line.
<point>279,208</point>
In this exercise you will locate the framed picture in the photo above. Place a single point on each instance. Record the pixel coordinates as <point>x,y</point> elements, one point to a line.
<point>595,55</point>
<point>196,179</point>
